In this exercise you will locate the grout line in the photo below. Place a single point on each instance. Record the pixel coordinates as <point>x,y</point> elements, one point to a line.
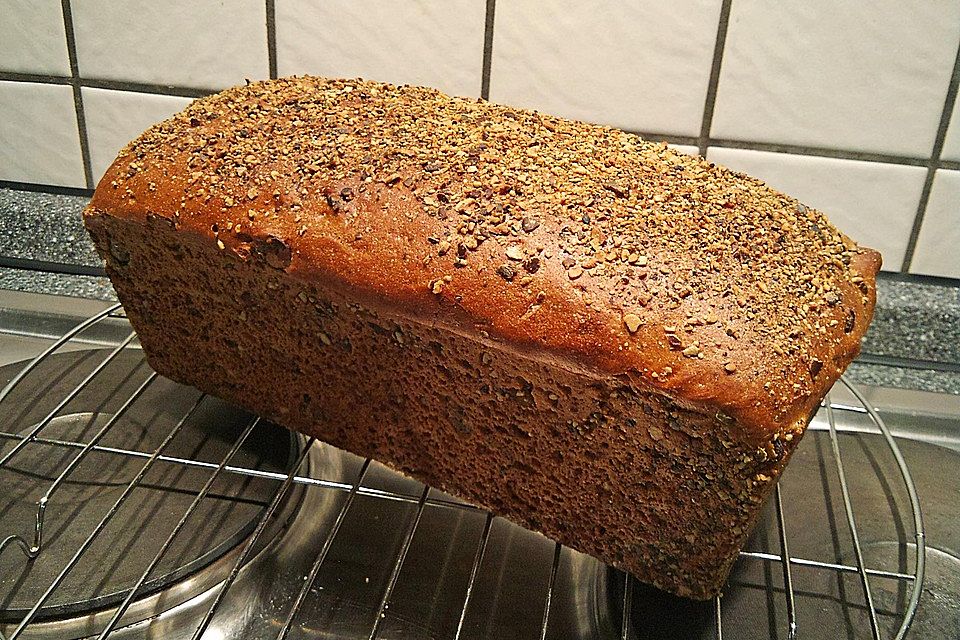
<point>948,105</point>
<point>77,94</point>
<point>143,87</point>
<point>822,152</point>
<point>37,187</point>
<point>47,266</point>
<point>14,76</point>
<point>116,85</point>
<point>487,49</point>
<point>271,6</point>
<point>722,24</point>
<point>953,165</point>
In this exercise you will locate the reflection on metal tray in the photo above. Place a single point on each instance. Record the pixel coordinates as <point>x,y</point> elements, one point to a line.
<point>173,515</point>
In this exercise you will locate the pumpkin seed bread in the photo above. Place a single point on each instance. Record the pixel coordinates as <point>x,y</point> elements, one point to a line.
<point>593,335</point>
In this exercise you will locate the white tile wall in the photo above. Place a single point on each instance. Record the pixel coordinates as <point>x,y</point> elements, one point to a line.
<point>436,43</point>
<point>859,78</point>
<point>175,42</point>
<point>114,118</point>
<point>635,65</point>
<point>38,130</point>
<point>872,202</point>
<point>32,37</point>
<point>870,76</point>
<point>938,246</point>
<point>951,144</point>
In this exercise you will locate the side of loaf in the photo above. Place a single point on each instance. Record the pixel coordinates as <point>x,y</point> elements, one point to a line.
<point>589,334</point>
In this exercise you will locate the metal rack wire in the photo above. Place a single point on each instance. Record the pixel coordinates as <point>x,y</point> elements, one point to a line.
<point>913,580</point>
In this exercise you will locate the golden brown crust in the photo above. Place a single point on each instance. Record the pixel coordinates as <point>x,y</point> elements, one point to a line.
<point>566,241</point>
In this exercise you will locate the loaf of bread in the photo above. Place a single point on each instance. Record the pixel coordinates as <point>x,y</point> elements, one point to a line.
<point>592,335</point>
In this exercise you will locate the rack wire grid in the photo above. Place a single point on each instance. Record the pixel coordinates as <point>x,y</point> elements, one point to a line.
<point>911,580</point>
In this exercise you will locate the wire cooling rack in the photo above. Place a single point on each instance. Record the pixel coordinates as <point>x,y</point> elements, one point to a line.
<point>910,581</point>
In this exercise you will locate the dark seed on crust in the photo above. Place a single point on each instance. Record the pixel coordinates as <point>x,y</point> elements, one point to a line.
<point>506,272</point>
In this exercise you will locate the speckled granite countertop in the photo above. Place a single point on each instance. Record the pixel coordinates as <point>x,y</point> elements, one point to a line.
<point>915,322</point>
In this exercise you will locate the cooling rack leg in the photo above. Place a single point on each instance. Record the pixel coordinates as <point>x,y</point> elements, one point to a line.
<point>113,509</point>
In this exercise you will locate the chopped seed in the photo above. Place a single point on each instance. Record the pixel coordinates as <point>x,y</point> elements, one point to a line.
<point>692,351</point>
<point>574,272</point>
<point>632,322</point>
<point>506,272</point>
<point>529,224</point>
<point>515,252</point>
<point>617,190</point>
<point>729,367</point>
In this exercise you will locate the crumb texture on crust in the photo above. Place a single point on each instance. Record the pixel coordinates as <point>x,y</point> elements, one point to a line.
<point>581,244</point>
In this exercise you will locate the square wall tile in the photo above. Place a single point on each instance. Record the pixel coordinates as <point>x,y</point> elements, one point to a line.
<point>635,65</point>
<point>951,144</point>
<point>868,76</point>
<point>178,42</point>
<point>114,118</point>
<point>32,37</point>
<point>874,203</point>
<point>38,127</point>
<point>938,245</point>
<point>436,43</point>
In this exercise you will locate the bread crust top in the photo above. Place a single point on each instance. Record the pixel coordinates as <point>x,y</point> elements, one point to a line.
<point>566,241</point>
